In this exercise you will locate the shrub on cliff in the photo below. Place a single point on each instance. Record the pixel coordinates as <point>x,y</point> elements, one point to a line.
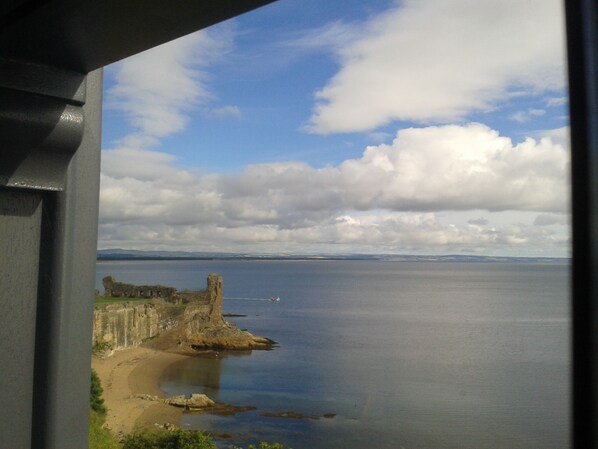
<point>95,400</point>
<point>176,439</point>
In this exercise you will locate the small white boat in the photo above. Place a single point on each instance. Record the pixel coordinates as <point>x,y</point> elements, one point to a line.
<point>275,298</point>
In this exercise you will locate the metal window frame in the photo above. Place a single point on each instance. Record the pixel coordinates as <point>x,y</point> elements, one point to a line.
<point>582,48</point>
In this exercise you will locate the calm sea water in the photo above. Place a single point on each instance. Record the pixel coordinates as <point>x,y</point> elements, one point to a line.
<point>407,355</point>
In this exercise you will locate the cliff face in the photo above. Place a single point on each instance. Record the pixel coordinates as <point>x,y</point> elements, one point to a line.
<point>120,326</point>
<point>187,321</point>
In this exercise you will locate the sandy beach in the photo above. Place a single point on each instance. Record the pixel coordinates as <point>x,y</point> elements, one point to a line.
<point>135,371</point>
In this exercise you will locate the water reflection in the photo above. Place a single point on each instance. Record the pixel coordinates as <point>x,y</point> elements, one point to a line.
<point>206,376</point>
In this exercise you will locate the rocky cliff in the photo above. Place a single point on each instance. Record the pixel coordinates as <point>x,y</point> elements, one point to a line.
<point>184,321</point>
<point>122,325</point>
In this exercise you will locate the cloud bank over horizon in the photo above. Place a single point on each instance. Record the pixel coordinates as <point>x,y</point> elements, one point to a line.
<point>387,200</point>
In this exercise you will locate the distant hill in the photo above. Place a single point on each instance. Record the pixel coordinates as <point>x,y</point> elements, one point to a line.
<point>118,254</point>
<point>130,254</point>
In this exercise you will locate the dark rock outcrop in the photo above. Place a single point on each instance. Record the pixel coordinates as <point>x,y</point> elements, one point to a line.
<point>226,337</point>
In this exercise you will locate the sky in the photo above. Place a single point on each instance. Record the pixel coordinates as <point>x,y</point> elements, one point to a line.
<point>343,127</point>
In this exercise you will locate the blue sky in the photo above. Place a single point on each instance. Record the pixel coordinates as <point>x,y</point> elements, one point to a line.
<point>406,127</point>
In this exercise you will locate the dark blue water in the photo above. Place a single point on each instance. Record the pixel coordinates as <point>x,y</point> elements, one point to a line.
<point>407,355</point>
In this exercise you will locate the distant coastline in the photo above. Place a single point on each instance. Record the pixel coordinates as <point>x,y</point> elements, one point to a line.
<point>122,254</point>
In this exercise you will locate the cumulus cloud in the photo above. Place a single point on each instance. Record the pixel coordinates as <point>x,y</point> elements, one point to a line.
<point>559,136</point>
<point>386,200</point>
<point>427,61</point>
<point>458,168</point>
<point>156,89</point>
<point>379,137</point>
<point>419,233</point>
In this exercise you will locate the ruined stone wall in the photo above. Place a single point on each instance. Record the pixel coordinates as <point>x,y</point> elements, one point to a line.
<point>116,289</point>
<point>119,326</point>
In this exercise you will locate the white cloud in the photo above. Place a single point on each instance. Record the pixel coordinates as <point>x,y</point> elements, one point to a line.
<point>225,112</point>
<point>536,112</point>
<point>551,219</point>
<point>481,221</point>
<point>329,37</point>
<point>526,116</point>
<point>386,201</point>
<point>556,101</point>
<point>458,168</point>
<point>559,136</point>
<point>379,137</point>
<point>135,163</point>
<point>520,117</point>
<point>429,61</point>
<point>420,233</point>
<point>431,189</point>
<point>156,89</point>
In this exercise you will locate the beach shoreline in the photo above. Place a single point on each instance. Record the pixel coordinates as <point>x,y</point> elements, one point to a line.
<point>134,371</point>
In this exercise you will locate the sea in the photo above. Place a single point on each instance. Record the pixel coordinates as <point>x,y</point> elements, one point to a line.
<point>381,354</point>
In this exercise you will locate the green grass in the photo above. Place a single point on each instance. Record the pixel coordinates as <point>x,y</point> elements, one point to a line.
<point>175,439</point>
<point>179,439</point>
<point>99,437</point>
<point>103,301</point>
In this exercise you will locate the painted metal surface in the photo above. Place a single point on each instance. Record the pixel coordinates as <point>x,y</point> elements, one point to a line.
<point>20,225</point>
<point>50,150</point>
<point>582,46</point>
<point>41,124</point>
<point>84,35</point>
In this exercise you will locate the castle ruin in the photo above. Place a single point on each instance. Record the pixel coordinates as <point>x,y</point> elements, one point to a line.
<point>211,295</point>
<point>131,323</point>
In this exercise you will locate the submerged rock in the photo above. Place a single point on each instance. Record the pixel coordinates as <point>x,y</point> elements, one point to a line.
<point>296,415</point>
<point>224,409</point>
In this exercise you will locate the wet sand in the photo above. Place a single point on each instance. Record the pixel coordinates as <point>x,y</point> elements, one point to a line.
<point>135,371</point>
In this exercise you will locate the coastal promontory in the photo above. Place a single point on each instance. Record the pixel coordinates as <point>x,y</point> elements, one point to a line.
<point>164,318</point>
